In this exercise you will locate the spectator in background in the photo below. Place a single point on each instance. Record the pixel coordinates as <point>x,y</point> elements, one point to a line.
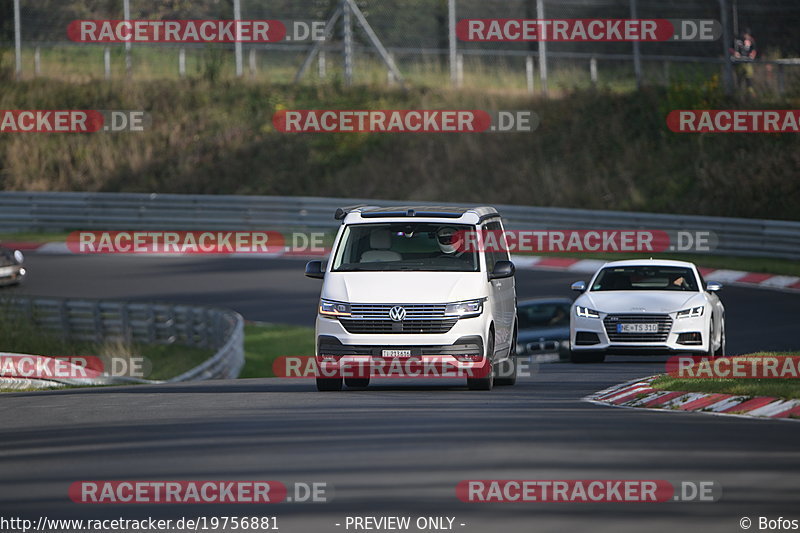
<point>744,53</point>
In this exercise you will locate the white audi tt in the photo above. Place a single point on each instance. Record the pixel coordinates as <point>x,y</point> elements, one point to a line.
<point>646,307</point>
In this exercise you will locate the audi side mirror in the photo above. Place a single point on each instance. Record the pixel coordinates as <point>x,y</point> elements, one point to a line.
<point>502,269</point>
<point>713,286</point>
<point>578,286</point>
<point>314,270</point>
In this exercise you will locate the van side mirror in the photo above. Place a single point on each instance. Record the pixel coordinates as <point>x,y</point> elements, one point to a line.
<point>314,270</point>
<point>578,286</point>
<point>713,286</point>
<point>502,269</point>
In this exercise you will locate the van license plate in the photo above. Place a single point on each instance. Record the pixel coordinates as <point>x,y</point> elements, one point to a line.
<point>637,328</point>
<point>396,353</point>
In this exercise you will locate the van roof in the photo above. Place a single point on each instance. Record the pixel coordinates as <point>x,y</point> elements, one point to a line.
<point>422,211</point>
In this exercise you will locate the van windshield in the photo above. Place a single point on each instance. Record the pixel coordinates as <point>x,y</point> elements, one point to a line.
<point>404,246</point>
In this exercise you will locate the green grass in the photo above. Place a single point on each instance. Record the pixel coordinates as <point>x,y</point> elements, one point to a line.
<point>264,343</point>
<point>779,388</point>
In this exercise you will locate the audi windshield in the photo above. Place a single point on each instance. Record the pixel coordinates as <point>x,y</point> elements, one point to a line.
<point>645,278</point>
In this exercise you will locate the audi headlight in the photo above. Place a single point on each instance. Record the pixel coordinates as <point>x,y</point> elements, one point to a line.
<point>333,309</point>
<point>694,312</point>
<point>464,309</point>
<point>585,312</point>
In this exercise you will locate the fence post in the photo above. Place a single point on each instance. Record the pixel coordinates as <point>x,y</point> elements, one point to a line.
<point>593,71</point>
<point>542,49</point>
<point>37,61</point>
<point>781,80</point>
<point>17,42</point>
<point>459,70</point>
<point>451,31</point>
<point>390,77</point>
<point>322,67</point>
<point>237,46</point>
<point>252,62</point>
<point>529,73</point>
<point>182,62</point>
<point>107,63</point>
<point>727,40</point>
<point>637,58</point>
<point>126,8</point>
<point>97,317</point>
<point>348,43</point>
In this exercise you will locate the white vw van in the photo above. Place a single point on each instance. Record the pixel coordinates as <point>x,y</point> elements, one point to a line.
<point>400,286</point>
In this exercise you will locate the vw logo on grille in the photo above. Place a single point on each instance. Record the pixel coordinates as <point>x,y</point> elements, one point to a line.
<point>397,313</point>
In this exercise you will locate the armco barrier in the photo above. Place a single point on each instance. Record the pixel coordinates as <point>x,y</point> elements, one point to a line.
<point>54,211</point>
<point>220,330</point>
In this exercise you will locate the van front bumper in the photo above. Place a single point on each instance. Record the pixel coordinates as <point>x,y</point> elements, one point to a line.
<point>460,349</point>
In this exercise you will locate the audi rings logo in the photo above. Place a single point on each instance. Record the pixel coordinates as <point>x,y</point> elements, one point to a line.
<point>397,313</point>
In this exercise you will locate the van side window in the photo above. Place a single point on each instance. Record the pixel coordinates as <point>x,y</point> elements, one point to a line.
<point>500,253</point>
<point>488,255</point>
<point>494,252</point>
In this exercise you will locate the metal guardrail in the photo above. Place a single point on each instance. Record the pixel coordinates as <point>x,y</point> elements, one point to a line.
<point>101,321</point>
<point>57,211</point>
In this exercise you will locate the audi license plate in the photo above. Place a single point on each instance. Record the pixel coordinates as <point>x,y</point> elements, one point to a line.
<point>637,328</point>
<point>396,353</point>
<point>6,271</point>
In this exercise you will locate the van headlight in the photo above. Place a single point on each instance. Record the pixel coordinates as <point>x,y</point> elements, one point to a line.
<point>585,312</point>
<point>332,308</point>
<point>694,312</point>
<point>464,309</point>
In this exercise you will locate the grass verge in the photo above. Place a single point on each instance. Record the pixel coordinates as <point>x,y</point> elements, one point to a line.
<point>779,388</point>
<point>164,361</point>
<point>263,343</point>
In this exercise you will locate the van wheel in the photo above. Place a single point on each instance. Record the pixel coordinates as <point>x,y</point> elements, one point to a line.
<point>356,383</point>
<point>507,370</point>
<point>329,384</point>
<point>486,382</point>
<point>591,357</point>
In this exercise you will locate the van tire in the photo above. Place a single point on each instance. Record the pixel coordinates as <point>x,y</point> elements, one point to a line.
<point>508,368</point>
<point>356,383</point>
<point>329,384</point>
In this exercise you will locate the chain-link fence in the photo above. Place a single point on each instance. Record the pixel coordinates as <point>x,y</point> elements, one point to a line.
<point>417,35</point>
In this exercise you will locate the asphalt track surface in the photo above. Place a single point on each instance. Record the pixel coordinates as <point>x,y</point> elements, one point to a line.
<point>398,448</point>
